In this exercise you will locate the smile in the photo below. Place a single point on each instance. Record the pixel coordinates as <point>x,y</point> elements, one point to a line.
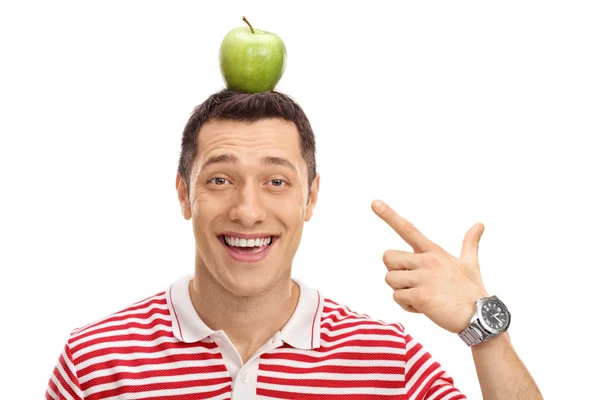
<point>249,248</point>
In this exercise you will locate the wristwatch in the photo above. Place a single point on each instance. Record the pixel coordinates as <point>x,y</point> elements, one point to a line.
<point>490,319</point>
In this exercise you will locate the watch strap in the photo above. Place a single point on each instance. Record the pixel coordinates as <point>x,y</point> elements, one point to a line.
<point>474,334</point>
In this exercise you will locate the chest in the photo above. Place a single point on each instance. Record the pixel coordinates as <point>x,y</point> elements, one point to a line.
<point>280,374</point>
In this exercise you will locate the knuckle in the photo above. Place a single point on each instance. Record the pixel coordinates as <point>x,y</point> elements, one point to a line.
<point>425,298</point>
<point>429,259</point>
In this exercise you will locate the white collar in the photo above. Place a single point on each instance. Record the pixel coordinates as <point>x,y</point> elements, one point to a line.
<point>302,331</point>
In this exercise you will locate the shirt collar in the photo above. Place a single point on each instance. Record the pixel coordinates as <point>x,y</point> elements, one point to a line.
<point>302,331</point>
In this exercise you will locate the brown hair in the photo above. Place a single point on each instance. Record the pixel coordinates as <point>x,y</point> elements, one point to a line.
<point>244,107</point>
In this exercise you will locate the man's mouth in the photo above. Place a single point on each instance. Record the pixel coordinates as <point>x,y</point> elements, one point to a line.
<point>247,246</point>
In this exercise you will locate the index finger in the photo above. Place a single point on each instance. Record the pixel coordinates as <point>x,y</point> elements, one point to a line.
<point>407,231</point>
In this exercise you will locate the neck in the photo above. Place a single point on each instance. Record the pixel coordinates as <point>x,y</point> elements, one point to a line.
<point>248,321</point>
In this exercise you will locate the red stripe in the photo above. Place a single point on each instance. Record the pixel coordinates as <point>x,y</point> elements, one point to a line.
<point>276,394</point>
<point>333,356</point>
<point>124,390</point>
<point>352,322</point>
<point>175,312</point>
<point>158,362</point>
<point>338,369</point>
<point>386,333</point>
<point>165,348</point>
<point>312,331</point>
<point>444,393</point>
<point>333,383</point>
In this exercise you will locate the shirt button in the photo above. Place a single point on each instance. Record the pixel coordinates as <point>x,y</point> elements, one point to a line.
<point>245,378</point>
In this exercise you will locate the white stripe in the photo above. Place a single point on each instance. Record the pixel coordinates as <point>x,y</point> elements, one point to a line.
<point>64,374</point>
<point>341,331</point>
<point>116,369</point>
<point>334,390</point>
<point>336,317</point>
<point>51,392</point>
<point>157,354</point>
<point>166,392</point>
<point>155,380</point>
<point>325,342</point>
<point>451,394</point>
<point>165,318</point>
<point>443,388</point>
<point>335,363</point>
<point>347,349</point>
<point>125,343</point>
<point>335,376</point>
<point>349,314</point>
<point>418,374</point>
<point>142,331</point>
<point>61,389</point>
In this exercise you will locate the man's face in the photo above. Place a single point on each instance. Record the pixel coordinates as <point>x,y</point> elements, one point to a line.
<point>248,179</point>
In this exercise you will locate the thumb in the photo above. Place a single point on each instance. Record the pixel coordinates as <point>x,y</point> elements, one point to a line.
<point>470,247</point>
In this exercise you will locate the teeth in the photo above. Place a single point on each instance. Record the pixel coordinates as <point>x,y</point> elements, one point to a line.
<point>239,242</point>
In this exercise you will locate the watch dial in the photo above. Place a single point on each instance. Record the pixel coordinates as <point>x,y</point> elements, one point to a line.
<point>495,315</point>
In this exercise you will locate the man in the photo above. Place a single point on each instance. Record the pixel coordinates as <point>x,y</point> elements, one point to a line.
<point>241,327</point>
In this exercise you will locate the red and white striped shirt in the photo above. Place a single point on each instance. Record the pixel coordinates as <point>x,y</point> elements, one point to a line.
<point>159,348</point>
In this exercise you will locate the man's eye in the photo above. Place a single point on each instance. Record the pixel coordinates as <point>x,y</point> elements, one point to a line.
<point>278,182</point>
<point>218,181</point>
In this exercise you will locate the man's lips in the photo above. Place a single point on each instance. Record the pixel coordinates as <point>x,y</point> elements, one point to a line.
<point>247,254</point>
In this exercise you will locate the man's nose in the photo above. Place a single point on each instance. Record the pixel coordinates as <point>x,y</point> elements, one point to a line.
<point>248,208</point>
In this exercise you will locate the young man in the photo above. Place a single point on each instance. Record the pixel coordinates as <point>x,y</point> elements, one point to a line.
<point>241,327</point>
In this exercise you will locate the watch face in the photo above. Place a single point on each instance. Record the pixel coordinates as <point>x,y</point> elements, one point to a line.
<point>495,315</point>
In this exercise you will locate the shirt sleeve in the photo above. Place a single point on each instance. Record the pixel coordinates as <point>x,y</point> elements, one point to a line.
<point>64,384</point>
<point>425,378</point>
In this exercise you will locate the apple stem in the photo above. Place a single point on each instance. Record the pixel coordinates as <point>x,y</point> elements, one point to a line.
<point>246,21</point>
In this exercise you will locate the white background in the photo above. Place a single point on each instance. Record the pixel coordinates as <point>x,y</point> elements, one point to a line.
<point>452,112</point>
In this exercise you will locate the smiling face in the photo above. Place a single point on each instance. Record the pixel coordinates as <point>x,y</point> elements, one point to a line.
<point>248,187</point>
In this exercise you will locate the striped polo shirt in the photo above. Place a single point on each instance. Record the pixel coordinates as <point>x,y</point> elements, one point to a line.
<point>159,348</point>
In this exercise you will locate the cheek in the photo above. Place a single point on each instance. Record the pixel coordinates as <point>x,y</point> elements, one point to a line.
<point>202,215</point>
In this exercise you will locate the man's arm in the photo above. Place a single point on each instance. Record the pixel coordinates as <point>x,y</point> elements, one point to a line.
<point>445,288</point>
<point>502,374</point>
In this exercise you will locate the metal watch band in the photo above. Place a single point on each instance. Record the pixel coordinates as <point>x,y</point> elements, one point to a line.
<point>473,334</point>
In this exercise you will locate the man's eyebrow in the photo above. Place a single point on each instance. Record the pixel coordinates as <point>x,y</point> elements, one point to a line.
<point>220,159</point>
<point>231,159</point>
<point>278,161</point>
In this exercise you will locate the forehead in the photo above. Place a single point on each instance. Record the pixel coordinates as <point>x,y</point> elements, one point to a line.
<point>250,140</point>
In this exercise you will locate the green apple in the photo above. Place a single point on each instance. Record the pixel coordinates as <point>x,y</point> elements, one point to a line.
<point>252,60</point>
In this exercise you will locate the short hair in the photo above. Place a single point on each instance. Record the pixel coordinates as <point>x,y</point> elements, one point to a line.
<point>238,106</point>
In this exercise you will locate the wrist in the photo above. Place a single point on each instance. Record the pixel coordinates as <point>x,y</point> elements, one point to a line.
<point>489,320</point>
<point>495,345</point>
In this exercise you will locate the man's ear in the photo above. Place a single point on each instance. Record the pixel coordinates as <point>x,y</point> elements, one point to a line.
<point>182,194</point>
<point>312,198</point>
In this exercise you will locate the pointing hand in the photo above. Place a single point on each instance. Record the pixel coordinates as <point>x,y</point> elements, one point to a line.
<point>430,280</point>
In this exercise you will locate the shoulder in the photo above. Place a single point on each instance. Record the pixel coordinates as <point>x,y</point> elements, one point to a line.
<point>338,320</point>
<point>149,314</point>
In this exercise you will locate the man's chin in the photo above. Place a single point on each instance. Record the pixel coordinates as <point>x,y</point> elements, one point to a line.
<point>251,286</point>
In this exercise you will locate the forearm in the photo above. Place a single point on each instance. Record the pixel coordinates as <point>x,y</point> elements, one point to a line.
<point>502,375</point>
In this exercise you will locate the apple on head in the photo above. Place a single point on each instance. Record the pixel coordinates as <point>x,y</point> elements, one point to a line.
<point>252,60</point>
